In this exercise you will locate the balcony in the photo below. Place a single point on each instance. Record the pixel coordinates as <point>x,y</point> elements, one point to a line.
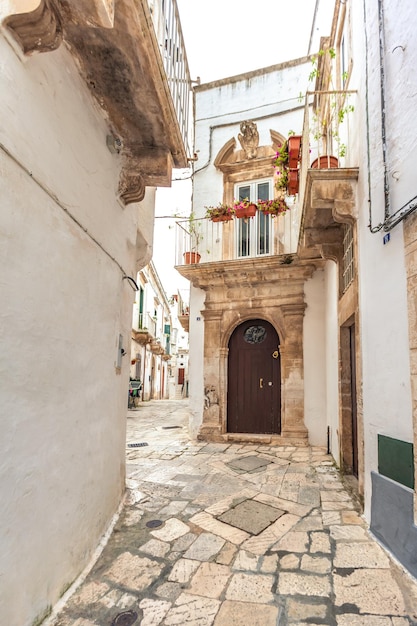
<point>328,173</point>
<point>131,55</point>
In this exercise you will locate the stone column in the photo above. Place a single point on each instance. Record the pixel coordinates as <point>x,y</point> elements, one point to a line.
<point>292,373</point>
<point>211,426</point>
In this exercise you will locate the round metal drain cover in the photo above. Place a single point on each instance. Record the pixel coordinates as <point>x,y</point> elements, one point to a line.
<point>127,618</point>
<point>154,523</point>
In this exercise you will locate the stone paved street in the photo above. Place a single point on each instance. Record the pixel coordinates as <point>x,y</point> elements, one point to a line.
<point>235,535</point>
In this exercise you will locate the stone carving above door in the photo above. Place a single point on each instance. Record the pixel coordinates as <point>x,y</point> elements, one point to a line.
<point>249,138</point>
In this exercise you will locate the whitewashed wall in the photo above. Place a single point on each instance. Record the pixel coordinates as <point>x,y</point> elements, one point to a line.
<point>64,304</point>
<point>331,289</point>
<point>196,359</point>
<point>382,282</point>
<point>315,360</point>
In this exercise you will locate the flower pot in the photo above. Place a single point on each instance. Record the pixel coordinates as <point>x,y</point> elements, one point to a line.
<point>191,257</point>
<point>325,162</point>
<point>294,147</point>
<point>244,212</point>
<point>222,218</point>
<point>292,187</point>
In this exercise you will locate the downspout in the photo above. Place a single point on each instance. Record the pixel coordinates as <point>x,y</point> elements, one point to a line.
<point>381,29</point>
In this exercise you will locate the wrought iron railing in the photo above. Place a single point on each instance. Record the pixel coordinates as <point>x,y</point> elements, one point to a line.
<point>167,26</point>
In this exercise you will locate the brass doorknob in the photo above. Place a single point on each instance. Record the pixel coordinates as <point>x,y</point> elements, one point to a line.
<point>275,354</point>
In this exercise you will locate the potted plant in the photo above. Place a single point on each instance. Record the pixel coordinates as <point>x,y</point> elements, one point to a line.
<point>221,213</point>
<point>286,164</point>
<point>193,256</point>
<point>244,208</point>
<point>294,150</point>
<point>274,207</point>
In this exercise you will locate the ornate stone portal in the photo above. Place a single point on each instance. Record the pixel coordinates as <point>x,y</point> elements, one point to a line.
<point>236,291</point>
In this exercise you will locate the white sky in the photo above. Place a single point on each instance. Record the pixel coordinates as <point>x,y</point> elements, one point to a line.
<point>224,38</point>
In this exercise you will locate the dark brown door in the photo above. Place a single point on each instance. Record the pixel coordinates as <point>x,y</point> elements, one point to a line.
<point>354,404</point>
<point>254,380</point>
<point>180,375</point>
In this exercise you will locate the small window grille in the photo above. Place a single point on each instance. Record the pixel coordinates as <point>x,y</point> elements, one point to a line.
<point>348,261</point>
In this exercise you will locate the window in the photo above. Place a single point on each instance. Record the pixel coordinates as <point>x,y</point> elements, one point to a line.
<point>348,259</point>
<point>254,236</point>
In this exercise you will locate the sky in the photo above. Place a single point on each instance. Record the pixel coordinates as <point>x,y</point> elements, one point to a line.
<point>224,38</point>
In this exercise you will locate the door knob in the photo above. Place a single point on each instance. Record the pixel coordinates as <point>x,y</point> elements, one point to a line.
<point>275,354</point>
<point>270,383</point>
<point>261,383</point>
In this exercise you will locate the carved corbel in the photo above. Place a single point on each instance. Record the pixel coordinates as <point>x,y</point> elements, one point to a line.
<point>36,30</point>
<point>131,185</point>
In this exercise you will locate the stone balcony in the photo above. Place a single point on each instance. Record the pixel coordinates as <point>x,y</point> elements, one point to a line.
<point>131,56</point>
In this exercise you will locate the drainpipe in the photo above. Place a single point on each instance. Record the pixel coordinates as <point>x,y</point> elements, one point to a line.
<point>381,30</point>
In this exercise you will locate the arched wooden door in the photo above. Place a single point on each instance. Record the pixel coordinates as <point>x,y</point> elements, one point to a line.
<point>254,379</point>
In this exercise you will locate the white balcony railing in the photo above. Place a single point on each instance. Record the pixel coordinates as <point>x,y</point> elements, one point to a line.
<point>225,241</point>
<point>167,26</point>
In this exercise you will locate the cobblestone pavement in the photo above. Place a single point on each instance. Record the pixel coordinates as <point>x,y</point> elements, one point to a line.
<point>236,535</point>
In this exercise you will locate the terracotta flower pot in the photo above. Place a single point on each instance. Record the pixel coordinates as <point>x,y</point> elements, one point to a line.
<point>325,162</point>
<point>293,182</point>
<point>294,147</point>
<point>191,257</point>
<point>243,212</point>
<point>222,218</point>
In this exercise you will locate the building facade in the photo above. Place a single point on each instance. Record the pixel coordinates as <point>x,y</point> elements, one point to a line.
<point>90,126</point>
<point>302,326</point>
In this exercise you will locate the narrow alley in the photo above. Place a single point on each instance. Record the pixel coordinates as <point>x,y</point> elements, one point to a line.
<point>235,535</point>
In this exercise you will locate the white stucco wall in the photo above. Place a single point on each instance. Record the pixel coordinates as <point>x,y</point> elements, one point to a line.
<point>314,347</point>
<point>64,305</point>
<point>331,287</point>
<point>196,360</point>
<point>382,282</point>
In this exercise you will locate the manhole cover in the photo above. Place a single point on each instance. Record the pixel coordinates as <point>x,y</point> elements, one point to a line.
<point>251,516</point>
<point>127,618</point>
<point>248,463</point>
<point>154,523</point>
<point>137,445</point>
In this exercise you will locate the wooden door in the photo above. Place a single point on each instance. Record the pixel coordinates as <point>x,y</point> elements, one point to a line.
<point>254,379</point>
<point>353,400</point>
<point>180,375</point>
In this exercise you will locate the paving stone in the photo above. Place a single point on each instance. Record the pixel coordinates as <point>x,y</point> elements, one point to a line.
<point>172,529</point>
<point>351,517</point>
<point>330,518</point>
<point>311,522</point>
<point>317,564</point>
<point>305,610</point>
<point>192,610</point>
<point>291,583</point>
<point>269,564</point>
<point>206,521</point>
<point>155,547</point>
<point>91,592</point>
<point>226,503</point>
<point>287,505</point>
<point>168,590</point>
<point>184,542</point>
<point>293,542</point>
<point>360,555</point>
<point>245,561</point>
<point>126,601</point>
<point>226,554</point>
<point>248,463</point>
<point>363,620</point>
<point>154,611</point>
<point>174,507</point>
<point>246,614</point>
<point>348,533</point>
<point>265,540</point>
<point>251,516</point>
<point>134,572</point>
<point>183,570</point>
<point>209,580</point>
<point>336,506</point>
<point>289,561</point>
<point>309,495</point>
<point>251,588</point>
<point>372,591</point>
<point>320,542</point>
<point>204,547</point>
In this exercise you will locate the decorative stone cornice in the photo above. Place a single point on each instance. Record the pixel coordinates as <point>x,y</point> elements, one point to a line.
<point>131,186</point>
<point>36,29</point>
